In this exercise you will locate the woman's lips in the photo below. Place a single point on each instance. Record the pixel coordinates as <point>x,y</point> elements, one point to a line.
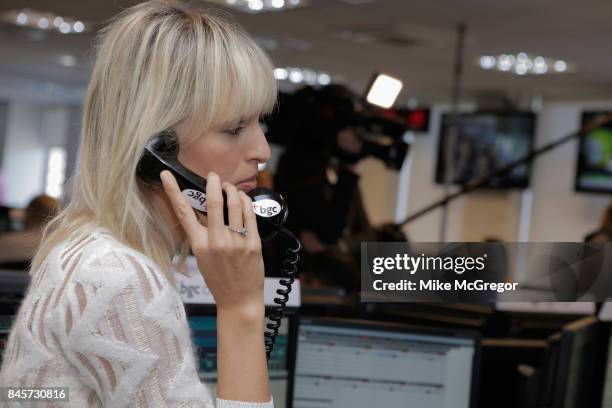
<point>248,184</point>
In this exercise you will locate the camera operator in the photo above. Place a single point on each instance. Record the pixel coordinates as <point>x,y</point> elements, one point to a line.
<point>316,175</point>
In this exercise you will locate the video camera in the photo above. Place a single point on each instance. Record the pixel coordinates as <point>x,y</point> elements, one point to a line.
<point>308,121</point>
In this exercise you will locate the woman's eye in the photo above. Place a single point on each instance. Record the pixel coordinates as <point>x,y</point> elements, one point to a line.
<point>234,131</point>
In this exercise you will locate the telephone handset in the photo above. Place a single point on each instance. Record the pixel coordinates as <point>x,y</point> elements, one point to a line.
<point>161,153</point>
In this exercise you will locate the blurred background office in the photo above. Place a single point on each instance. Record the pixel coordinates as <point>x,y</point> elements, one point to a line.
<point>557,71</point>
<point>468,87</point>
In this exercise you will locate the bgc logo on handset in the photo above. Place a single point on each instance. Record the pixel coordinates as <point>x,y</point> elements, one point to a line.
<point>266,208</point>
<point>196,198</point>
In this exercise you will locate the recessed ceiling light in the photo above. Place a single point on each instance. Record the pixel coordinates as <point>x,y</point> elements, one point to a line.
<point>64,28</point>
<point>521,69</point>
<point>280,73</point>
<point>523,64</point>
<point>504,63</point>
<point>22,18</point>
<point>539,65</point>
<point>258,6</point>
<point>356,2</point>
<point>296,75</point>
<point>487,62</point>
<point>310,77</point>
<point>560,66</point>
<point>78,27</point>
<point>323,79</point>
<point>302,75</point>
<point>43,21</point>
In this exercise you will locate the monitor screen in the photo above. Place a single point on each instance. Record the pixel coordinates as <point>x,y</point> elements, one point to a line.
<point>594,167</point>
<point>486,142</point>
<point>358,364</point>
<point>581,368</point>
<point>607,388</point>
<point>204,335</point>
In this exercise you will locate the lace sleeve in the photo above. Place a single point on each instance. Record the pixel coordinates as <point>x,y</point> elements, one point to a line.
<point>128,337</point>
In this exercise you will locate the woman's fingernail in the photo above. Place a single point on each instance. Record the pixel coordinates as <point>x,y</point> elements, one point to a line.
<point>163,175</point>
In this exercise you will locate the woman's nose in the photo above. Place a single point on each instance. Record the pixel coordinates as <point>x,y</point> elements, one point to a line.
<point>260,150</point>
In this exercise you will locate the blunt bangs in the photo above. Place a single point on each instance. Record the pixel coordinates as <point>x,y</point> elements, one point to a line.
<point>241,85</point>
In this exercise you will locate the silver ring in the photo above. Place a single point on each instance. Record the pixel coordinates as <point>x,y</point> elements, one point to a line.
<point>243,231</point>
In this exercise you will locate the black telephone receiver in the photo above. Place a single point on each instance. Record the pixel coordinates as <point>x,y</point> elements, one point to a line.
<point>161,153</point>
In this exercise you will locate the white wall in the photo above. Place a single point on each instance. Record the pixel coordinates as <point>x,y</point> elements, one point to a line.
<point>54,125</point>
<point>24,154</point>
<point>558,213</point>
<point>381,186</point>
<point>40,115</point>
<point>422,189</point>
<point>31,129</point>
<point>18,88</point>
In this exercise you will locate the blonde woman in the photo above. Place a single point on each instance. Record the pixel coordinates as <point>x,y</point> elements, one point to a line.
<point>101,316</point>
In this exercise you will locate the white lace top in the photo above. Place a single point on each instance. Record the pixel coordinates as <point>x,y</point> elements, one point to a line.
<point>102,320</point>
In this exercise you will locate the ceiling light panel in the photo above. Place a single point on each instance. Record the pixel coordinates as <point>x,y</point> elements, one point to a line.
<point>261,6</point>
<point>45,21</point>
<point>302,75</point>
<point>525,64</point>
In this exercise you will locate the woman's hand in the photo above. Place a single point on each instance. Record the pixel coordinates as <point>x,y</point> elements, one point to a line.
<point>232,267</point>
<point>231,264</point>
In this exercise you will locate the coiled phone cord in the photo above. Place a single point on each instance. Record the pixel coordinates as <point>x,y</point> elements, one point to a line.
<point>288,271</point>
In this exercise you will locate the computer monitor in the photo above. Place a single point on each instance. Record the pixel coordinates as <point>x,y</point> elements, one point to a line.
<point>485,142</point>
<point>204,335</point>
<point>555,308</point>
<point>579,370</point>
<point>355,363</point>
<point>606,400</point>
<point>593,168</point>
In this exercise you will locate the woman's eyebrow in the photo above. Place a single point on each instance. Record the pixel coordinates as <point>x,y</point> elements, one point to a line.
<point>240,122</point>
<point>229,124</point>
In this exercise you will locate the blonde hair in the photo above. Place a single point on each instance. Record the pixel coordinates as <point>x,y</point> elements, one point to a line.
<point>159,65</point>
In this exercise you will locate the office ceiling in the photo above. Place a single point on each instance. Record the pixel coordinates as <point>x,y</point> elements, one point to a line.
<point>413,41</point>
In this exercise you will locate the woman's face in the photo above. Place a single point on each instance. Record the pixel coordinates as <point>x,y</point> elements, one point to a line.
<point>233,153</point>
